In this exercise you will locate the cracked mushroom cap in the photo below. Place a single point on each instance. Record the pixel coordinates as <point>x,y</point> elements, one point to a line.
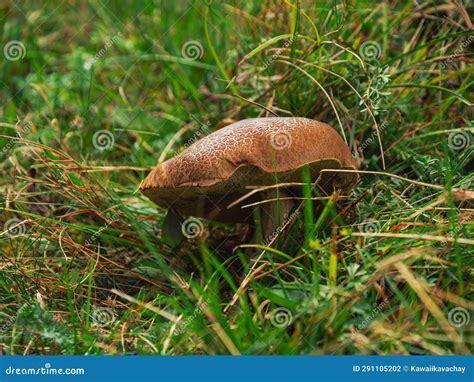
<point>219,168</point>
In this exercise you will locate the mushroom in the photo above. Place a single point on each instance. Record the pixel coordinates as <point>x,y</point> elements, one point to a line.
<point>214,172</point>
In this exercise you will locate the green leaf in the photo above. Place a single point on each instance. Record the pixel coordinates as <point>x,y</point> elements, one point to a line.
<point>282,298</point>
<point>75,179</point>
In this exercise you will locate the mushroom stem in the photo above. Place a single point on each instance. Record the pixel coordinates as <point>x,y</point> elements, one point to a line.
<point>275,213</point>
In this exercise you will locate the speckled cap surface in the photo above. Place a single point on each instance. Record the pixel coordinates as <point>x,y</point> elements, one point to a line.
<point>216,170</point>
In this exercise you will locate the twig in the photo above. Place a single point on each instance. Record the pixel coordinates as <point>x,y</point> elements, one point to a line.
<point>162,313</point>
<point>469,194</point>
<point>445,239</point>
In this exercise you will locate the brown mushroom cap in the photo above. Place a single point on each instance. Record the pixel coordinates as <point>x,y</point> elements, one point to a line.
<point>216,170</point>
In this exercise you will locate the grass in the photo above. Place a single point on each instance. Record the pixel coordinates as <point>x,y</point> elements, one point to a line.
<point>94,96</point>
